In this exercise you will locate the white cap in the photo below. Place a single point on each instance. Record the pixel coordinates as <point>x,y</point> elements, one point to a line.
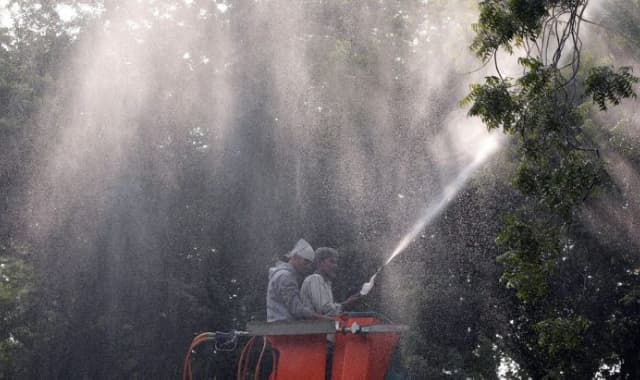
<point>302,249</point>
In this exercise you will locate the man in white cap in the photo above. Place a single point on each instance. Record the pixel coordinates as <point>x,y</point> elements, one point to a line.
<point>283,293</point>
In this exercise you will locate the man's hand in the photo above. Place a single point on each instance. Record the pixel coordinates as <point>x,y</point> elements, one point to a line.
<point>351,300</point>
<point>323,317</point>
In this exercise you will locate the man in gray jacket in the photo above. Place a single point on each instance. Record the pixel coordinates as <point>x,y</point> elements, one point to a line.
<point>283,293</point>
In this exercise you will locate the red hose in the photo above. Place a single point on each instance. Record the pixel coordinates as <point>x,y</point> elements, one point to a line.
<point>199,339</point>
<point>256,374</point>
<point>243,362</point>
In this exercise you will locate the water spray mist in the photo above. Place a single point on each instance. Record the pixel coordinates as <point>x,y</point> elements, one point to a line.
<point>435,208</point>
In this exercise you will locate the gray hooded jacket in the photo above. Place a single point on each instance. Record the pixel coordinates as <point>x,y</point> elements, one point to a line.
<point>283,296</point>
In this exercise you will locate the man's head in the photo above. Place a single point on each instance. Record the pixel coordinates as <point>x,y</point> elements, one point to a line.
<point>326,262</point>
<point>301,257</point>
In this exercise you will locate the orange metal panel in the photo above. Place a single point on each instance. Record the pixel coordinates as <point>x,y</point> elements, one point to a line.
<point>300,357</point>
<point>363,356</point>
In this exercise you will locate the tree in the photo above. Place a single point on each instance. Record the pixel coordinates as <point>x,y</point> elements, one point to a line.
<point>559,168</point>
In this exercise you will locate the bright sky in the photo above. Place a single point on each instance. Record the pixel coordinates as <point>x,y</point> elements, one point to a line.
<point>66,12</point>
<point>5,16</point>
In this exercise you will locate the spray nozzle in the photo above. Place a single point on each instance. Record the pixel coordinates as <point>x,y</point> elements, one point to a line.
<point>367,286</point>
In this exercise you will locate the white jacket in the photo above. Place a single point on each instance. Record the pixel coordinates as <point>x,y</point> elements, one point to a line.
<point>316,294</point>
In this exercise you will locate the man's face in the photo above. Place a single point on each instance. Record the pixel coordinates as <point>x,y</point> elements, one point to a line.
<point>328,267</point>
<point>301,264</point>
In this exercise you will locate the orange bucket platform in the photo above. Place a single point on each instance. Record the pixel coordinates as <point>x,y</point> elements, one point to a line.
<point>364,345</point>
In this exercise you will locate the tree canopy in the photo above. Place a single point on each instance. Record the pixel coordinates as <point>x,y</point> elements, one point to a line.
<point>157,156</point>
<point>559,171</point>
